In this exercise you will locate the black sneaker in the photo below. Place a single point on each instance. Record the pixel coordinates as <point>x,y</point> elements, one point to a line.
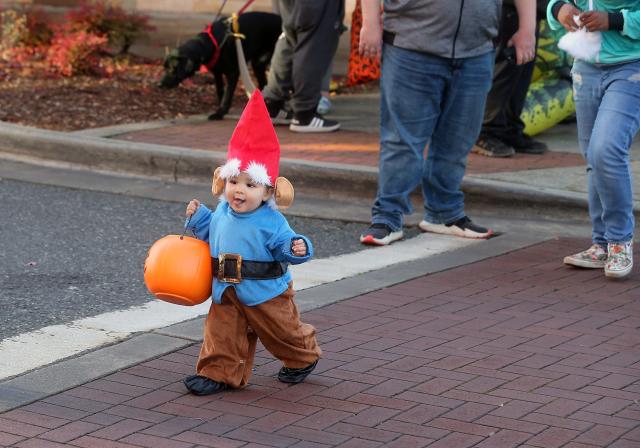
<point>277,112</point>
<point>201,385</point>
<point>524,144</point>
<point>312,122</point>
<point>295,376</point>
<point>462,227</point>
<point>492,147</point>
<point>380,235</point>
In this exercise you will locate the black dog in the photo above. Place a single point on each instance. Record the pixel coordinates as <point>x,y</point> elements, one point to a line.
<point>215,48</point>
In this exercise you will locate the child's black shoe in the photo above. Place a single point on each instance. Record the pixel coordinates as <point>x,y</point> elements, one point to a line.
<point>201,385</point>
<point>295,376</point>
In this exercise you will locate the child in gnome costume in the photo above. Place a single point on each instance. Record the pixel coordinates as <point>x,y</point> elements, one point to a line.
<point>251,246</point>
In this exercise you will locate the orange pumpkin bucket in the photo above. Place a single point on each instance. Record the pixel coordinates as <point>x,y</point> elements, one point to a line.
<point>178,270</point>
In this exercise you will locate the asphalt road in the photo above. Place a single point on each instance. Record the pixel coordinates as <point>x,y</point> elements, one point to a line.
<point>71,253</point>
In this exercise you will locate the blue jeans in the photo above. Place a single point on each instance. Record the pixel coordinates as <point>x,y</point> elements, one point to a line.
<point>430,100</point>
<point>608,112</point>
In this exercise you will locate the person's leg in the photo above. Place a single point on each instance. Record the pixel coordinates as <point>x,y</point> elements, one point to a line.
<point>411,91</point>
<point>616,124</point>
<point>513,134</point>
<point>317,25</point>
<point>278,326</point>
<point>324,105</point>
<point>505,76</point>
<point>279,79</point>
<point>279,76</point>
<point>587,95</point>
<point>228,349</point>
<point>457,129</point>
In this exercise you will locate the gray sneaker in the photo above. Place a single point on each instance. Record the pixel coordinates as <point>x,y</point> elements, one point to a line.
<point>593,258</point>
<point>380,235</point>
<point>492,147</point>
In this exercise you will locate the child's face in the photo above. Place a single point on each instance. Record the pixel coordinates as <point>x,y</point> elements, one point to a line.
<point>244,195</point>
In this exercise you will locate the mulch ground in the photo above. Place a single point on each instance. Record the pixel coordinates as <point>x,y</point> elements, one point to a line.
<point>31,97</point>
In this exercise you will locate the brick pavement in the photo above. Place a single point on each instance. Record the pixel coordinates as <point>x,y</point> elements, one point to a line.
<point>349,147</point>
<point>515,350</point>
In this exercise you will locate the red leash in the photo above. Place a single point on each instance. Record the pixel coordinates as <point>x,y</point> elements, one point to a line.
<point>246,5</point>
<point>209,31</point>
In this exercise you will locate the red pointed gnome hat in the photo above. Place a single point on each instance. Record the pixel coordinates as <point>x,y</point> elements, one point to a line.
<point>254,147</point>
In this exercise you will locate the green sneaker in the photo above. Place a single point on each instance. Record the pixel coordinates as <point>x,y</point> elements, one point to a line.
<point>593,258</point>
<point>620,260</point>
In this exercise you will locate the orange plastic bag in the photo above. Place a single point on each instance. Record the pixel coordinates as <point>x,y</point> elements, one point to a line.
<point>178,270</point>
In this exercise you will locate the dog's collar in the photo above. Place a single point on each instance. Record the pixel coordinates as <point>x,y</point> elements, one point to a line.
<point>216,53</point>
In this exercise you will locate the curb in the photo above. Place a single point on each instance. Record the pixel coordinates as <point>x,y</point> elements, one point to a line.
<point>83,150</point>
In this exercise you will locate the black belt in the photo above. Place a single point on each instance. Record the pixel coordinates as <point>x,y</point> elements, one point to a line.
<point>232,268</point>
<point>388,37</point>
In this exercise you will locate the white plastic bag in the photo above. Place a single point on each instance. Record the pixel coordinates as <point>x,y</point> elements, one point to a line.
<point>582,44</point>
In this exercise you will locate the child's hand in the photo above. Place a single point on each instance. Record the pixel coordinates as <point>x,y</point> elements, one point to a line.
<point>298,248</point>
<point>192,207</point>
<point>565,17</point>
<point>595,20</point>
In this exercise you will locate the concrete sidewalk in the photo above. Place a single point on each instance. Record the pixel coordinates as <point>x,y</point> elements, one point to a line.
<point>492,346</point>
<point>343,162</point>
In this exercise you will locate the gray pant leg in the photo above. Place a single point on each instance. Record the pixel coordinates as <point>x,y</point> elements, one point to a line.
<point>315,25</point>
<point>279,82</point>
<point>326,80</point>
<point>279,77</point>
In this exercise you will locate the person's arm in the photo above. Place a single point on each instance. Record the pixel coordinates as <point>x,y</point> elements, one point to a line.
<point>371,32</point>
<point>524,40</point>
<point>199,221</point>
<point>287,246</point>
<point>631,24</point>
<point>625,21</point>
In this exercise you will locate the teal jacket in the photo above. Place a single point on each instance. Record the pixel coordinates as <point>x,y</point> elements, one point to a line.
<point>617,45</point>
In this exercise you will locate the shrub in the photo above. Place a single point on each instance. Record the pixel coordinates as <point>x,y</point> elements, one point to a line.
<point>14,26</point>
<point>76,52</point>
<point>28,27</point>
<point>102,18</point>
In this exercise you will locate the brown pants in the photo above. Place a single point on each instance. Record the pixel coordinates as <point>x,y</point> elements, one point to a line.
<point>232,329</point>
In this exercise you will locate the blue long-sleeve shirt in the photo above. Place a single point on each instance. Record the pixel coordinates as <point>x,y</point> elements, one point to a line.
<point>261,235</point>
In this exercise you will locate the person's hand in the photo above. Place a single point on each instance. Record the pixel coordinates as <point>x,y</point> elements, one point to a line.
<point>524,42</point>
<point>595,20</point>
<point>565,17</point>
<point>192,207</point>
<point>298,248</point>
<point>370,44</point>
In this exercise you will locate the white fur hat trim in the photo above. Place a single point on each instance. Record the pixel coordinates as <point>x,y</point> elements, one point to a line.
<point>230,169</point>
<point>257,171</point>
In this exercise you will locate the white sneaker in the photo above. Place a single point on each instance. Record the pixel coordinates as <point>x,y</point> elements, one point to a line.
<point>463,227</point>
<point>619,260</point>
<point>593,258</point>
